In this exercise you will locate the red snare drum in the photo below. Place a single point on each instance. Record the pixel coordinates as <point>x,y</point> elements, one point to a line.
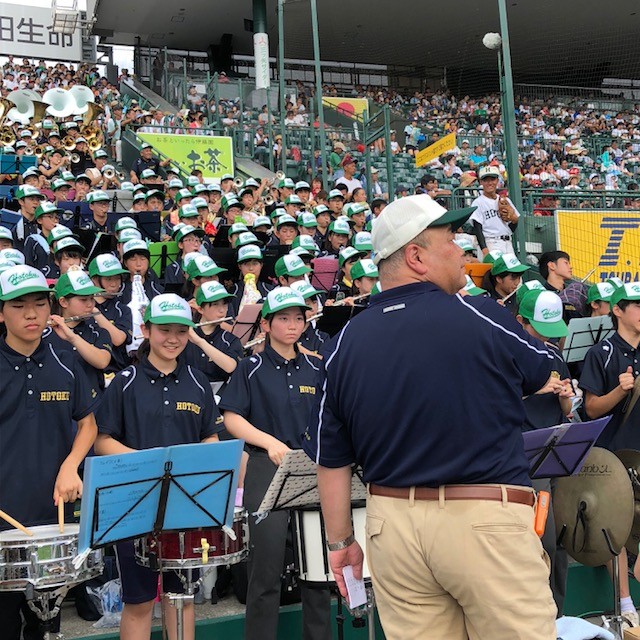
<point>174,550</point>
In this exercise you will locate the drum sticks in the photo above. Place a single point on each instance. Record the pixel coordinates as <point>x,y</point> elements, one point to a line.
<point>14,523</point>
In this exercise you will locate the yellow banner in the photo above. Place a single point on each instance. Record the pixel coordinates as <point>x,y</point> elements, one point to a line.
<point>436,149</point>
<point>608,241</point>
<point>213,155</point>
<point>348,106</point>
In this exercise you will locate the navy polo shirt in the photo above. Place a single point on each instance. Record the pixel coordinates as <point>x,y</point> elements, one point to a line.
<point>603,365</point>
<point>221,340</point>
<point>274,394</point>
<point>544,410</point>
<point>40,258</point>
<point>94,335</point>
<point>41,395</point>
<point>143,408</point>
<point>424,388</point>
<point>94,225</point>
<point>174,274</point>
<point>313,339</point>
<point>118,314</point>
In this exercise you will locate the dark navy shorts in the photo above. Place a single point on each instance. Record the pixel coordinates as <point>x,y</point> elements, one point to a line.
<point>140,584</point>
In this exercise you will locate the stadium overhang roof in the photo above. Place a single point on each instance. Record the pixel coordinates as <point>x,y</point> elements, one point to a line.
<point>551,40</point>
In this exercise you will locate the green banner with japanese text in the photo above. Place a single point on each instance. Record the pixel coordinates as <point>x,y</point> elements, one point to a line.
<point>213,155</point>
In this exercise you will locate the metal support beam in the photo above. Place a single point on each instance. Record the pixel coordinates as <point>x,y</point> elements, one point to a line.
<point>316,59</point>
<point>283,129</point>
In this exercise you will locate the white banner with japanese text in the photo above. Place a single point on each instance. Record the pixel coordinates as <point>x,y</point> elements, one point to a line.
<point>25,32</point>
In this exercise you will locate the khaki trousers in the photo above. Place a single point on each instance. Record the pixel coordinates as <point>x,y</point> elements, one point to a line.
<point>458,570</point>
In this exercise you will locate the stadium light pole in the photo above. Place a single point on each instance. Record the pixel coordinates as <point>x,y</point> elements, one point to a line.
<point>507,105</point>
<point>316,59</point>
<point>283,128</point>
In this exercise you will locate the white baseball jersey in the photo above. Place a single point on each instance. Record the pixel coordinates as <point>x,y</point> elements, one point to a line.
<point>487,215</point>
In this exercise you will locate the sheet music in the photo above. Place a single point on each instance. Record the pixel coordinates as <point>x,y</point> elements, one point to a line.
<point>295,485</point>
<point>583,334</point>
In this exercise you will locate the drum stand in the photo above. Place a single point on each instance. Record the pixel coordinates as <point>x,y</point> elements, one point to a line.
<point>614,622</point>
<point>362,616</point>
<point>40,603</point>
<point>179,600</point>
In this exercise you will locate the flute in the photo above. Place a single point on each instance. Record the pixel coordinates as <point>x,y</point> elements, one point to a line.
<point>208,322</point>
<point>254,343</point>
<point>86,316</point>
<point>318,315</point>
<point>341,303</point>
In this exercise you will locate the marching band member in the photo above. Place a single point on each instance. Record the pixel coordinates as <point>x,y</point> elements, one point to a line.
<point>48,390</point>
<point>337,238</point>
<point>36,248</point>
<point>199,269</point>
<point>312,339</point>
<point>28,198</point>
<point>289,269</point>
<point>267,403</point>
<point>599,299</point>
<point>504,278</point>
<point>285,231</point>
<point>135,258</point>
<point>323,220</point>
<point>68,254</point>
<point>176,398</point>
<point>189,240</point>
<point>364,275</point>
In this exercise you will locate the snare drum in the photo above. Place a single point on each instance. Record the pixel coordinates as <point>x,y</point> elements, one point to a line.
<point>311,545</point>
<point>44,560</point>
<point>175,550</point>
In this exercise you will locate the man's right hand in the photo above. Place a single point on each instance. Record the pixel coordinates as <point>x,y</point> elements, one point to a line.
<point>627,380</point>
<point>351,556</point>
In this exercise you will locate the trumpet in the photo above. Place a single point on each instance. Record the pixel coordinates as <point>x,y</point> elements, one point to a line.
<point>94,143</point>
<point>109,174</point>
<point>38,151</point>
<point>280,175</point>
<point>29,151</point>
<point>75,158</point>
<point>267,200</point>
<point>210,322</point>
<point>238,182</point>
<point>68,143</point>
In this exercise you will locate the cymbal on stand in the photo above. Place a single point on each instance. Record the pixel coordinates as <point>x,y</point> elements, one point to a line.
<point>598,498</point>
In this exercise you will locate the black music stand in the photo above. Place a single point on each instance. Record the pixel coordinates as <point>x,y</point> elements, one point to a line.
<point>271,254</point>
<point>335,318</point>
<point>247,322</point>
<point>583,334</point>
<point>560,451</point>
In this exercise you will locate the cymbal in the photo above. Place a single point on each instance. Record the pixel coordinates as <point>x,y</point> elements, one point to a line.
<point>631,460</point>
<point>599,497</point>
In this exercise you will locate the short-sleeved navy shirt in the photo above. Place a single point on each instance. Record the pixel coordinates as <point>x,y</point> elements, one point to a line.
<point>118,314</point>
<point>313,339</point>
<point>424,389</point>
<point>41,395</point>
<point>174,274</point>
<point>143,408</point>
<point>544,409</point>
<point>274,394</point>
<point>221,340</point>
<point>603,365</point>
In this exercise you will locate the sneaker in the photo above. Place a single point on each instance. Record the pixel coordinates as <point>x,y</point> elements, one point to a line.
<point>630,619</point>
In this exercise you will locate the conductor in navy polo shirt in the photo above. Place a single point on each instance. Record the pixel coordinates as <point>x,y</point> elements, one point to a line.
<point>437,430</point>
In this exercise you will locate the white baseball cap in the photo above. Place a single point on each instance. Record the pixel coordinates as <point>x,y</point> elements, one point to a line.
<point>168,308</point>
<point>403,220</point>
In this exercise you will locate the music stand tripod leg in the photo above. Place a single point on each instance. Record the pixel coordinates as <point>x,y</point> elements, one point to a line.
<point>616,620</point>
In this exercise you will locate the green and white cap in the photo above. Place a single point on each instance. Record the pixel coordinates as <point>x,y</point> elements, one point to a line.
<point>98,196</point>
<point>75,283</point>
<point>175,183</point>
<point>233,203</point>
<point>543,309</point>
<point>238,227</point>
<point>321,208</point>
<point>251,182</point>
<point>20,280</point>
<point>183,194</point>
<point>67,176</point>
<point>305,289</point>
<point>168,308</point>
<point>306,242</point>
<point>286,183</point>
<point>125,223</point>
<point>300,251</point>
<point>293,199</point>
<point>277,212</point>
<point>525,287</point>
<point>199,188</point>
<point>307,220</point>
<point>106,264</point>
<point>465,245</point>
<point>141,196</point>
<point>5,234</point>
<point>154,193</point>
<point>69,243</point>
<point>249,252</point>
<point>340,227</point>
<point>4,265</point>
<point>187,211</point>
<point>261,221</point>
<point>291,265</point>
<point>364,269</point>
<point>46,207</point>
<point>281,298</point>
<point>211,292</point>
<point>58,232</point>
<point>362,241</point>
<point>129,234</point>
<point>192,181</point>
<point>376,289</point>
<point>12,255</point>
<point>600,291</point>
<point>335,193</point>
<point>628,291</point>
<point>348,253</point>
<point>188,229</point>
<point>58,183</point>
<point>126,186</point>
<point>302,184</point>
<point>199,203</point>
<point>492,256</point>
<point>135,246</point>
<point>286,219</point>
<point>147,173</point>
<point>226,176</point>
<point>27,190</point>
<point>357,207</point>
<point>471,288</point>
<point>615,282</point>
<point>202,266</point>
<point>508,263</point>
<point>244,238</point>
<point>100,153</point>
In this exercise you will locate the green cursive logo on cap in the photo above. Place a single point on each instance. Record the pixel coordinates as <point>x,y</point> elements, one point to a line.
<point>16,279</point>
<point>110,262</point>
<point>550,314</point>
<point>635,288</point>
<point>283,297</point>
<point>170,306</point>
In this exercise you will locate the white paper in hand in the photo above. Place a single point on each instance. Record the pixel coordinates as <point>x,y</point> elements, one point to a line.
<point>355,588</point>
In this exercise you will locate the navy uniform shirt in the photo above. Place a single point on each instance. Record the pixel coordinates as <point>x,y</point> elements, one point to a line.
<point>143,408</point>
<point>424,388</point>
<point>151,284</point>
<point>140,164</point>
<point>94,225</point>
<point>41,395</point>
<point>221,340</point>
<point>603,365</point>
<point>174,274</point>
<point>38,255</point>
<point>274,394</point>
<point>313,339</point>
<point>22,230</point>
<point>544,410</point>
<point>94,335</point>
<point>118,314</point>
